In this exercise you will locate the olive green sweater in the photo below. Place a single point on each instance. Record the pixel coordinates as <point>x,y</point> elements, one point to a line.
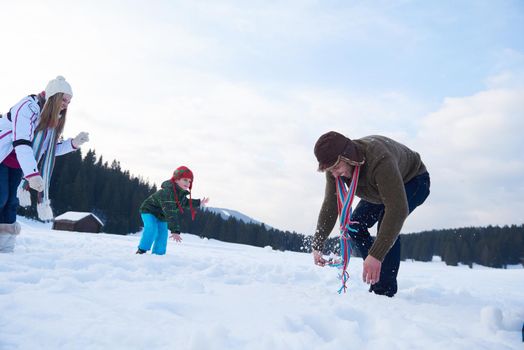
<point>162,204</point>
<point>388,166</point>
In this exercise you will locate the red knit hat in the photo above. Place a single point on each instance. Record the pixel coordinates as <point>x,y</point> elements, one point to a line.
<point>183,172</point>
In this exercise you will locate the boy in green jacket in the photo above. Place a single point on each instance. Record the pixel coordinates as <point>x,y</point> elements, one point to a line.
<point>161,211</point>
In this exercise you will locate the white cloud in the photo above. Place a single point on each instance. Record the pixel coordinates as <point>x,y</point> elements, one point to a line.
<point>473,149</point>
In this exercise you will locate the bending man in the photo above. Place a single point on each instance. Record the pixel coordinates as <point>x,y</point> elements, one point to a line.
<point>392,182</point>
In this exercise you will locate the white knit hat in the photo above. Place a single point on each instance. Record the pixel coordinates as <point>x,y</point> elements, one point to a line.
<point>56,86</point>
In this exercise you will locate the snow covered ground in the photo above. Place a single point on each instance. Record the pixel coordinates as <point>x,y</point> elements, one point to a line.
<point>66,290</point>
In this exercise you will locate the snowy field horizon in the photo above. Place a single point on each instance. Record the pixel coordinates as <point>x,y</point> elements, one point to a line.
<point>71,290</point>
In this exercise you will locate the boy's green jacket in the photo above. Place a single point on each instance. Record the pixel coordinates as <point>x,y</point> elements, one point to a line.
<point>163,206</point>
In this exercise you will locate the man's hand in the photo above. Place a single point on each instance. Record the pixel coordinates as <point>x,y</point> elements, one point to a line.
<point>176,237</point>
<point>371,270</point>
<point>318,259</point>
<point>36,183</point>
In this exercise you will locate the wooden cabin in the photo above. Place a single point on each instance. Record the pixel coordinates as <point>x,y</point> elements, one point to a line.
<point>78,221</point>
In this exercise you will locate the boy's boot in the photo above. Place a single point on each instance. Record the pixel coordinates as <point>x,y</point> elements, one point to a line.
<point>8,233</point>
<point>140,251</point>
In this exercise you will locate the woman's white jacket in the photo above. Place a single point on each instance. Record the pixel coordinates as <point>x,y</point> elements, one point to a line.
<point>19,130</point>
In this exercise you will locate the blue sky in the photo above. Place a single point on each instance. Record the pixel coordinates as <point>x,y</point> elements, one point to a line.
<point>240,91</point>
<point>408,46</point>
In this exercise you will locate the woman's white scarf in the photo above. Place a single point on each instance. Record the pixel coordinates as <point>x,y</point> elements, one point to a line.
<point>45,156</point>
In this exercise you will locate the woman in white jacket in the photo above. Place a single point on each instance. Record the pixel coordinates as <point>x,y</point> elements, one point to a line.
<point>30,138</point>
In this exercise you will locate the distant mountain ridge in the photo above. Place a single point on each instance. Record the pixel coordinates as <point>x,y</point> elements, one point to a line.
<point>227,213</point>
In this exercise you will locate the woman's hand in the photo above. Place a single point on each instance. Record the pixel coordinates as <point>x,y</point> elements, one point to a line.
<point>204,201</point>
<point>80,139</point>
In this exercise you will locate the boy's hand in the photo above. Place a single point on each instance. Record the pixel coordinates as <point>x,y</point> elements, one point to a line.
<point>176,237</point>
<point>204,201</point>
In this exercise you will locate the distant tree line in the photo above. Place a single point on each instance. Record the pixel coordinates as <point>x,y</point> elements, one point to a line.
<point>491,246</point>
<point>93,185</point>
<point>113,195</point>
<point>211,225</point>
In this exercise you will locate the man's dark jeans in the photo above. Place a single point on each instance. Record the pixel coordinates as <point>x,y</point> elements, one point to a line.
<point>367,214</point>
<point>9,180</point>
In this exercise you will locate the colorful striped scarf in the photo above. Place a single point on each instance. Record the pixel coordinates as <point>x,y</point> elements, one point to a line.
<point>344,201</point>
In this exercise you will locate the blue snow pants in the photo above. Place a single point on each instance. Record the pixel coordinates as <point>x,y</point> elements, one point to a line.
<point>9,180</point>
<point>367,214</point>
<point>155,233</point>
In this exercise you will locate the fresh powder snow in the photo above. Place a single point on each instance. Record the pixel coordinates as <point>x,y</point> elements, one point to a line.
<point>70,290</point>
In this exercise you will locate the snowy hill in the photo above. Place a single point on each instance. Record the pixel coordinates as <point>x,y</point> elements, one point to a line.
<point>227,213</point>
<point>68,290</point>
